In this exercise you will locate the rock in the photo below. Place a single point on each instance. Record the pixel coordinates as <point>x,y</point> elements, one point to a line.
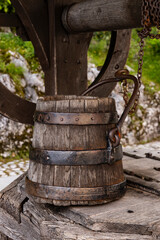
<point>32,81</point>
<point>7,82</point>
<point>144,125</point>
<point>31,94</point>
<point>92,72</point>
<point>15,138</point>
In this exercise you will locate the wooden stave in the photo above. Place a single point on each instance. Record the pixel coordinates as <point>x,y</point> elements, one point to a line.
<point>60,134</point>
<point>65,170</point>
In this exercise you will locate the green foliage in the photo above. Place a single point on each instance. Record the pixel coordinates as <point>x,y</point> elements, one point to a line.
<point>8,41</point>
<point>99,47</point>
<point>151,70</point>
<point>151,61</point>
<point>5,6</point>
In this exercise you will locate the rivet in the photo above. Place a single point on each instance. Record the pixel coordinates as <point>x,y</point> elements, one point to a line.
<point>48,118</point>
<point>40,117</point>
<point>61,119</point>
<point>117,66</point>
<point>92,118</point>
<point>77,119</point>
<point>64,40</point>
<point>48,158</point>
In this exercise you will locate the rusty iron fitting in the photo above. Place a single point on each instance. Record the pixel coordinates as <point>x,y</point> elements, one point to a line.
<point>120,75</point>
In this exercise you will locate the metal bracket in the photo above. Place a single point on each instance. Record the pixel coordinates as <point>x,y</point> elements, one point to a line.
<point>54,118</point>
<point>75,158</point>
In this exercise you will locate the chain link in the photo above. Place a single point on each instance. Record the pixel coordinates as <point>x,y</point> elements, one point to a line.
<point>150,15</point>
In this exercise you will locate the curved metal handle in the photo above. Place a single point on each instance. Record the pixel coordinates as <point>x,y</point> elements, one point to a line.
<point>114,134</point>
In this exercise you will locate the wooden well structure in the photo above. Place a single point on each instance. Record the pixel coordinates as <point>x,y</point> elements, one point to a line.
<point>69,161</point>
<point>69,146</point>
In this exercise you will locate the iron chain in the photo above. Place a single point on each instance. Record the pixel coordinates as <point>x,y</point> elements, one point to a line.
<point>150,15</point>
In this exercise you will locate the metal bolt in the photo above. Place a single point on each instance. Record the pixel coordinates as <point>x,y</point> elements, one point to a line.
<point>117,66</point>
<point>40,117</point>
<point>64,40</point>
<point>48,118</point>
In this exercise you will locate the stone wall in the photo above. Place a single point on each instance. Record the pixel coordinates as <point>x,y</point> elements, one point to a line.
<point>15,138</point>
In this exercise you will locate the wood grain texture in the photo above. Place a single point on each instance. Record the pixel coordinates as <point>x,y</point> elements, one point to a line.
<point>60,137</point>
<point>134,217</point>
<point>73,137</point>
<point>143,153</point>
<point>115,60</point>
<point>34,19</point>
<point>10,202</point>
<point>4,237</point>
<point>143,174</point>
<point>71,55</point>
<point>103,15</point>
<point>24,110</point>
<point>132,214</point>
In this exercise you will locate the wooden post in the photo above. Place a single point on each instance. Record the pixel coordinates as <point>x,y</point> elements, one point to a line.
<point>102,15</point>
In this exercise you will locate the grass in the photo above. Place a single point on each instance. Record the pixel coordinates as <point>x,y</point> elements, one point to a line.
<point>151,66</point>
<point>98,48</point>
<point>151,61</point>
<point>9,41</point>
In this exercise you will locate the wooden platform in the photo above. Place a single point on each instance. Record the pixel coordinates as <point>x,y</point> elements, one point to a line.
<point>134,217</point>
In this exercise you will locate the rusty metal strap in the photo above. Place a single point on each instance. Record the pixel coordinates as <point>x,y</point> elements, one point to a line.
<point>53,118</point>
<point>74,158</point>
<point>75,194</point>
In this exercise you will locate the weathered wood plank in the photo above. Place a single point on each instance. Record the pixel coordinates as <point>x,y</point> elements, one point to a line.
<point>11,228</point>
<point>132,214</point>
<point>129,218</point>
<point>9,20</point>
<point>144,168</point>
<point>71,55</point>
<point>70,231</point>
<point>143,174</point>
<point>24,110</point>
<point>4,237</point>
<point>11,201</point>
<point>103,15</point>
<point>142,153</point>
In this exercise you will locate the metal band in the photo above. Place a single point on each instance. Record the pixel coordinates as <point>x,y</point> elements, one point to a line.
<point>52,118</point>
<point>74,158</point>
<point>75,194</point>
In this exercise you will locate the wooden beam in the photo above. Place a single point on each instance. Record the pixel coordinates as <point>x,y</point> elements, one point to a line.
<point>102,15</point>
<point>9,20</point>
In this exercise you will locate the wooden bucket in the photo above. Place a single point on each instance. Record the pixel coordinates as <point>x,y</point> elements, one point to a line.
<point>69,163</point>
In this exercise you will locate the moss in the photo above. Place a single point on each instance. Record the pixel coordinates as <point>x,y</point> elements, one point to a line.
<point>9,41</point>
<point>98,48</point>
